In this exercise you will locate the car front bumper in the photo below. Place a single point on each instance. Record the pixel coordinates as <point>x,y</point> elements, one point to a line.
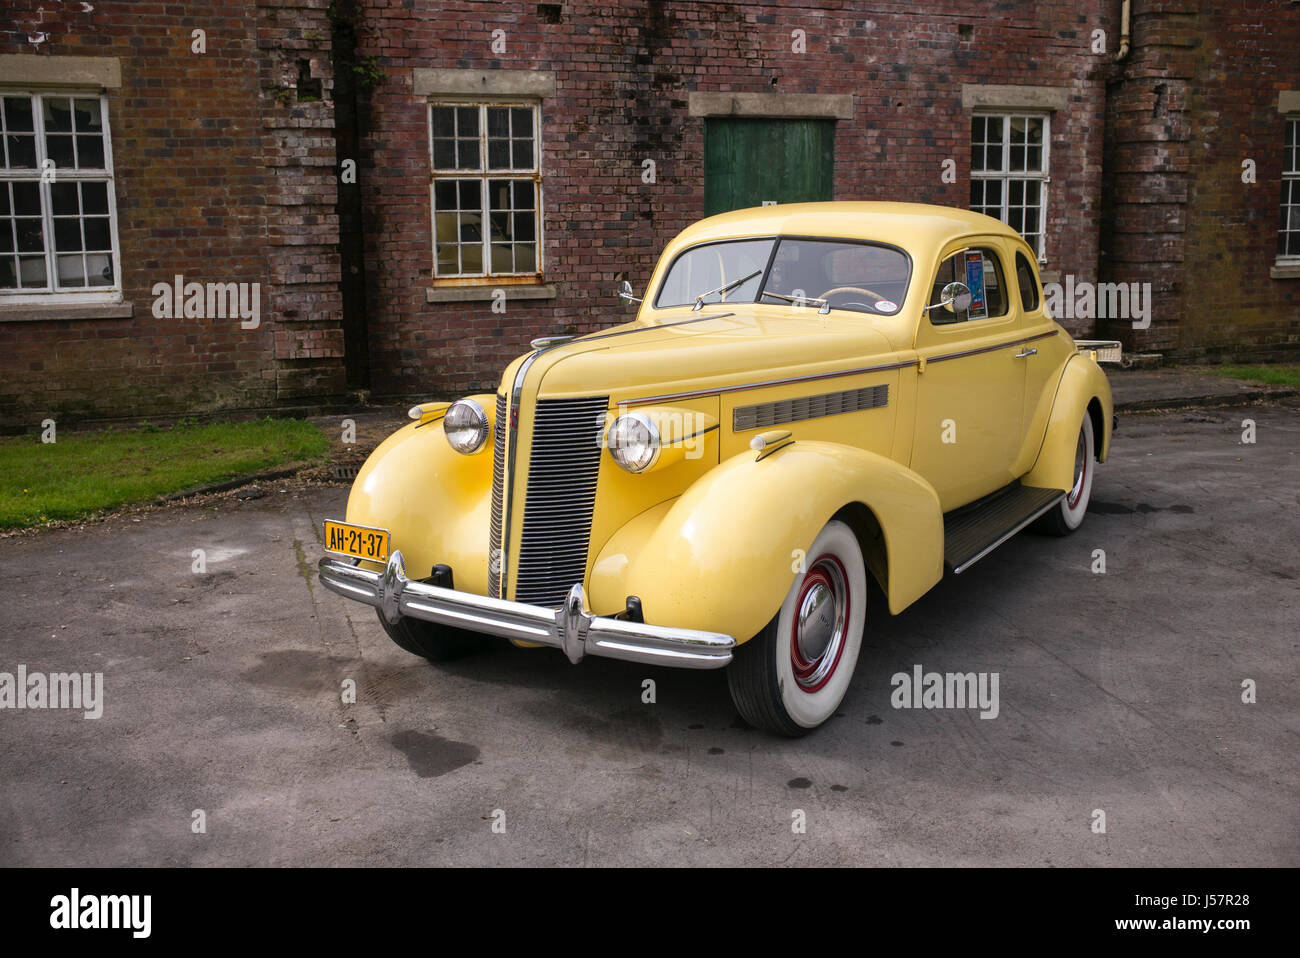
<point>570,628</point>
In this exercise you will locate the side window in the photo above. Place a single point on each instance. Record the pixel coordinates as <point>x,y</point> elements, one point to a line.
<point>979,269</point>
<point>1028,284</point>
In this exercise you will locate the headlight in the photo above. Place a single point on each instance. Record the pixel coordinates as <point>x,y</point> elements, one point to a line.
<point>634,442</point>
<point>466,426</point>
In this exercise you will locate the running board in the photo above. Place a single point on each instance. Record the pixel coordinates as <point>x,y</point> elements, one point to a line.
<point>972,533</point>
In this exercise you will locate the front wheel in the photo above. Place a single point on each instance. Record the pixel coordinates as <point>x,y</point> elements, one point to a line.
<point>792,676</point>
<point>437,643</point>
<point>1067,515</point>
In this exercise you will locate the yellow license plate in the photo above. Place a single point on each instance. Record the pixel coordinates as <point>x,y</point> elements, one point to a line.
<point>360,542</point>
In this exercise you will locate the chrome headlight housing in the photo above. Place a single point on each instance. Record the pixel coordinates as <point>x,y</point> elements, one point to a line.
<point>634,442</point>
<point>466,426</point>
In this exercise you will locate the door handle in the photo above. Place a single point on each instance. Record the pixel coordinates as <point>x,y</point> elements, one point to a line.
<point>1026,352</point>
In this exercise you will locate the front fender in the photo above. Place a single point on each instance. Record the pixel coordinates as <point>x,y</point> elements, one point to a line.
<point>435,502</point>
<point>1082,384</point>
<point>722,556</point>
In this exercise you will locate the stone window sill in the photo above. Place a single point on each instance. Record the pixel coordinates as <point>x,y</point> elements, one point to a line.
<point>1285,270</point>
<point>479,294</point>
<point>40,312</point>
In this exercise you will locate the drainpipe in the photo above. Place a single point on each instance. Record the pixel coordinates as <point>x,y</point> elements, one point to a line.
<point>1124,10</point>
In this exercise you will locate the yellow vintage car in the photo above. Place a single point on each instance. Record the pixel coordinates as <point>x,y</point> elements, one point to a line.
<point>809,394</point>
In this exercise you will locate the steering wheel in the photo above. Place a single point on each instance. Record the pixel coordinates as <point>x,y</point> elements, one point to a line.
<point>851,289</point>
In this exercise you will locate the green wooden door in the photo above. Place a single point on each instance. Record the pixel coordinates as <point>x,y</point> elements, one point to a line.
<point>748,162</point>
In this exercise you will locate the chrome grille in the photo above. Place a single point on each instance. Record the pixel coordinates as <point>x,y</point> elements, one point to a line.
<point>763,415</point>
<point>560,498</point>
<point>498,497</point>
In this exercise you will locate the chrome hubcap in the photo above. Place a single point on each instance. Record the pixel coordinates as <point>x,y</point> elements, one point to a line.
<point>821,624</point>
<point>1080,470</point>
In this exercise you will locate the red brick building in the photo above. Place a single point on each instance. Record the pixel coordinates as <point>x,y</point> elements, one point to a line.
<point>270,202</point>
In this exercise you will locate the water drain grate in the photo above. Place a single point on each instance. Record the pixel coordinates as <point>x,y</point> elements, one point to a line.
<point>346,470</point>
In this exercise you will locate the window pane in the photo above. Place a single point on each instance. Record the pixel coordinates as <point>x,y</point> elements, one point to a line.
<point>18,114</point>
<point>87,117</point>
<point>59,149</point>
<point>499,154</point>
<point>502,259</point>
<point>63,197</point>
<point>467,121</point>
<point>444,119</point>
<point>22,152</point>
<point>1028,285</point>
<point>90,152</point>
<point>70,271</point>
<point>467,157</point>
<point>6,236</point>
<point>4,198</point>
<point>94,197</point>
<point>525,226</point>
<point>31,272</point>
<point>444,194</point>
<point>8,272</point>
<point>526,258</point>
<point>67,235</point>
<point>498,120</point>
<point>469,194</point>
<point>31,239</point>
<point>99,269</point>
<point>97,233</point>
<point>58,114</point>
<point>471,258</point>
<point>444,154</point>
<point>523,194</point>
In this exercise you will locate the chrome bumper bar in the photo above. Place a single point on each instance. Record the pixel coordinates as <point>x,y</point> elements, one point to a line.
<point>570,628</point>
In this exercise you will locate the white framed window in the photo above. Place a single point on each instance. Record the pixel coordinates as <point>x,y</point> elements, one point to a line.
<point>1010,170</point>
<point>1288,233</point>
<point>486,191</point>
<point>58,210</point>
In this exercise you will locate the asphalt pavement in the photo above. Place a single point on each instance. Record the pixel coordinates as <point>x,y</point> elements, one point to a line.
<point>225,738</point>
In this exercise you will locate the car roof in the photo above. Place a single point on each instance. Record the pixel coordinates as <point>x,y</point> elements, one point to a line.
<point>909,225</point>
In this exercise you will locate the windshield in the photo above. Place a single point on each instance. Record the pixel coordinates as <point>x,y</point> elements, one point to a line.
<point>840,274</point>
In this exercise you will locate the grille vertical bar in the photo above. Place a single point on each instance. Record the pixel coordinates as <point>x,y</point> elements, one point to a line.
<point>498,497</point>
<point>560,498</point>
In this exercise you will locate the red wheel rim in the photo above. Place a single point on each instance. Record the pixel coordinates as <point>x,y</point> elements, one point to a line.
<point>820,628</point>
<point>1081,471</point>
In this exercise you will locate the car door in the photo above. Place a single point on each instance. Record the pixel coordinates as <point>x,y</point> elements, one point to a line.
<point>971,380</point>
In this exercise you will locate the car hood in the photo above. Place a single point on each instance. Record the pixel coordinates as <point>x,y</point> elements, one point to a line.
<point>707,353</point>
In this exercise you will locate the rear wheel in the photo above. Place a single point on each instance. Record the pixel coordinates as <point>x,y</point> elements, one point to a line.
<point>792,676</point>
<point>437,643</point>
<point>1068,514</point>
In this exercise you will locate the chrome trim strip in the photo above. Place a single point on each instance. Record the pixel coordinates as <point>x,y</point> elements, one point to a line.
<point>1007,535</point>
<point>770,382</point>
<point>570,627</point>
<point>988,349</point>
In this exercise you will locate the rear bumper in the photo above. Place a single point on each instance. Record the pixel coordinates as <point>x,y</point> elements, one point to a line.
<point>569,628</point>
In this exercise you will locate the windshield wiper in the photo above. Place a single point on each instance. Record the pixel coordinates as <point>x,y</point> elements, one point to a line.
<point>699,300</point>
<point>825,304</point>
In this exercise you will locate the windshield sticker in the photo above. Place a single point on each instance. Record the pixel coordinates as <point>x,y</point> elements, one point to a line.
<point>885,306</point>
<point>975,282</point>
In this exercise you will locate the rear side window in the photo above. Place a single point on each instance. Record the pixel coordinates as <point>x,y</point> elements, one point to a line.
<point>1028,284</point>
<point>981,272</point>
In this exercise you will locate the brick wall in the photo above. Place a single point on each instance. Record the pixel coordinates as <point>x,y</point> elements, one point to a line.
<point>624,72</point>
<point>221,176</point>
<point>1197,97</point>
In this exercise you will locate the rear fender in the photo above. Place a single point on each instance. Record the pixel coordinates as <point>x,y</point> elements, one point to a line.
<point>1083,390</point>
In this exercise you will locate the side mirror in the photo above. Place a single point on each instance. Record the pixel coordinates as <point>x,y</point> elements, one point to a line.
<point>625,294</point>
<point>954,297</point>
